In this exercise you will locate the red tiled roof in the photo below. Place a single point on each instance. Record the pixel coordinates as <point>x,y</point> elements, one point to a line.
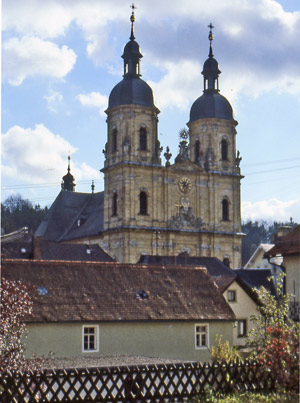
<point>92,291</point>
<point>288,245</point>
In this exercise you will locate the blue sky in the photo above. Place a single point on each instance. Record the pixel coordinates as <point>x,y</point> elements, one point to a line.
<point>61,59</point>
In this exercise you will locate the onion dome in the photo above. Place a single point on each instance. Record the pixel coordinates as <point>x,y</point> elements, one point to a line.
<point>211,104</point>
<point>67,183</point>
<point>132,89</point>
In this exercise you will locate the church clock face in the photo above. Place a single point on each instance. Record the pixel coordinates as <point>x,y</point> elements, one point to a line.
<point>185,185</point>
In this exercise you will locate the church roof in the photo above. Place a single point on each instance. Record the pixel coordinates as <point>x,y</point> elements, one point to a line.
<point>73,215</point>
<point>211,105</point>
<point>89,291</point>
<point>132,90</point>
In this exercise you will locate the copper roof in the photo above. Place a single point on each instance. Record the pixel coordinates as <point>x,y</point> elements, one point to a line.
<point>90,291</point>
<point>287,245</point>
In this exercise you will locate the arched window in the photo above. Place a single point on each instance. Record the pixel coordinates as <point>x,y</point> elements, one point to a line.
<point>143,139</point>
<point>225,210</point>
<point>114,140</point>
<point>197,150</point>
<point>114,204</point>
<point>224,150</point>
<point>143,203</point>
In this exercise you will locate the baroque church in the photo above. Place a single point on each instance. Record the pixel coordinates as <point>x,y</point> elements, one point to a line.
<point>150,207</point>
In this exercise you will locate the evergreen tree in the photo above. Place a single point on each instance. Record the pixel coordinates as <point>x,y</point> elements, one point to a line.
<point>17,212</point>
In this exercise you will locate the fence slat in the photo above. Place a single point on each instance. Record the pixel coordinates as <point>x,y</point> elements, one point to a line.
<point>143,383</point>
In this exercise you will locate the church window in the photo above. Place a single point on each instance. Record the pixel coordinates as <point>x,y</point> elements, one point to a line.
<point>225,210</point>
<point>143,139</point>
<point>114,140</point>
<point>197,150</point>
<point>224,150</point>
<point>143,203</point>
<point>114,204</point>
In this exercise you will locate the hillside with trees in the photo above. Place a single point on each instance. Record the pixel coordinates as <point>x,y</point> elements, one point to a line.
<point>17,212</point>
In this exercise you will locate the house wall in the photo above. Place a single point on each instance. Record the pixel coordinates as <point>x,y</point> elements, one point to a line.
<point>258,261</point>
<point>174,340</point>
<point>244,307</point>
<point>292,267</point>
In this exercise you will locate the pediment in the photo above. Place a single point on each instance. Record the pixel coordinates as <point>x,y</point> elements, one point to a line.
<point>186,166</point>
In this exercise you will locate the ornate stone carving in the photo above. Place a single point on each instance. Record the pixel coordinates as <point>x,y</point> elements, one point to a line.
<point>126,145</point>
<point>168,156</point>
<point>185,218</point>
<point>238,160</point>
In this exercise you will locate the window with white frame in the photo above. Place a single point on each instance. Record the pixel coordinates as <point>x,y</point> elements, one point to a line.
<point>242,328</point>
<point>231,296</point>
<point>201,336</point>
<point>90,338</point>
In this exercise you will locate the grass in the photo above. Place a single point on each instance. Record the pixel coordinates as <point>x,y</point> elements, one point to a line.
<point>248,397</point>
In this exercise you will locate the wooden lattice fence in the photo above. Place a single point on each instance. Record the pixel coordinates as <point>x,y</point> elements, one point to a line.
<point>146,383</point>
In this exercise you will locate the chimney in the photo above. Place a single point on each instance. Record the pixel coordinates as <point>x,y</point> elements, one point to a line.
<point>37,247</point>
<point>281,232</point>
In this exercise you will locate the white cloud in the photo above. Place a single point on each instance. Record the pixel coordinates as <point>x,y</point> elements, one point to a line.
<point>176,89</point>
<point>39,156</point>
<point>94,100</point>
<point>53,99</point>
<point>253,38</point>
<point>271,210</point>
<point>31,56</point>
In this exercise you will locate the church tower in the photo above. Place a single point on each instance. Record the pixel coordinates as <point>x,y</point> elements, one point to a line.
<point>131,152</point>
<point>191,206</point>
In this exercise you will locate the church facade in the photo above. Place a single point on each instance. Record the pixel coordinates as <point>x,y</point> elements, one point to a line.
<point>191,206</point>
<point>150,207</point>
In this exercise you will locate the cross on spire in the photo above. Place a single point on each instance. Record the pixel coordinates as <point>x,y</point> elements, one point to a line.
<point>132,19</point>
<point>69,163</point>
<point>210,37</point>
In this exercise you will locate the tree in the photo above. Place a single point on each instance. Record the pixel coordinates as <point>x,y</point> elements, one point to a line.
<point>275,339</point>
<point>17,212</point>
<point>15,306</point>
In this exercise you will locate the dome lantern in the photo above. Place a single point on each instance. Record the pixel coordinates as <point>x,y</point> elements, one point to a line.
<point>210,68</point>
<point>132,89</point>
<point>211,104</point>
